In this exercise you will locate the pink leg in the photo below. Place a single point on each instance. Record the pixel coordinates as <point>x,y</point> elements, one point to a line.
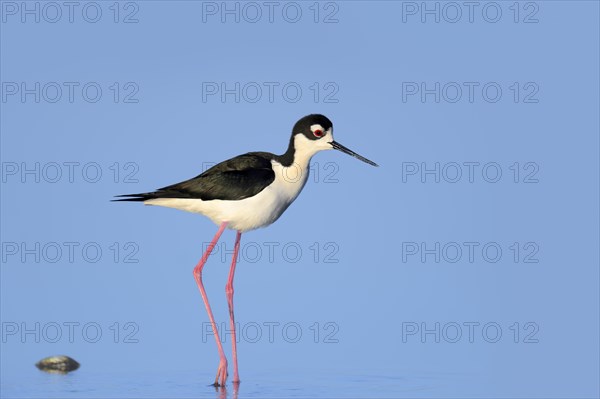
<point>222,370</point>
<point>229,293</point>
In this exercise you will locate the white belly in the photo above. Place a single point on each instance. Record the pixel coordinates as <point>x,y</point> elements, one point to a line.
<point>249,213</point>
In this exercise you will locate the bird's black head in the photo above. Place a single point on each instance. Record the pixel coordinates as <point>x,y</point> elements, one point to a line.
<point>313,126</point>
<point>314,133</point>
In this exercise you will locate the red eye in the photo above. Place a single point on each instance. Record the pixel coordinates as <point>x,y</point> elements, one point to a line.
<point>318,133</point>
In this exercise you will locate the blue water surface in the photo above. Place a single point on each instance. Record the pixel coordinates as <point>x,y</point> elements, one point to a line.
<point>466,265</point>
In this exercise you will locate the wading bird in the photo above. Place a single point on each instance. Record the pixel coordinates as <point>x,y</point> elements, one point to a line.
<point>244,193</point>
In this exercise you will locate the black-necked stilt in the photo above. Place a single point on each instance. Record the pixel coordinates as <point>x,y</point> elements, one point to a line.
<point>245,193</point>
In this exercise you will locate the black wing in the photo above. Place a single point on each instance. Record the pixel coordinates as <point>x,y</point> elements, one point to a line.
<point>235,179</point>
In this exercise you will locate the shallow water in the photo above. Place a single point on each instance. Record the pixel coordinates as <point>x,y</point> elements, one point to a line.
<point>82,383</point>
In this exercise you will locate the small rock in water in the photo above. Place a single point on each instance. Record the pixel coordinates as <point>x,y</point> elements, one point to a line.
<point>57,364</point>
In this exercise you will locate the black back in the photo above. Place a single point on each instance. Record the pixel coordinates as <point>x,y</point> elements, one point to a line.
<point>235,179</point>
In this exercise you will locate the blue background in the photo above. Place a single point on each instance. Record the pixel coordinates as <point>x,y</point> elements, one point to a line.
<point>358,215</point>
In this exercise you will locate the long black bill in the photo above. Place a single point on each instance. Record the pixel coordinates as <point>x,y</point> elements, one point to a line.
<point>341,148</point>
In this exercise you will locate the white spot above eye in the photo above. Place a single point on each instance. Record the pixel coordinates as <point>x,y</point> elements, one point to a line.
<point>318,131</point>
<point>315,127</point>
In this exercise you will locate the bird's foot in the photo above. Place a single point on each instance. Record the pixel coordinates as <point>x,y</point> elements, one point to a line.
<point>221,374</point>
